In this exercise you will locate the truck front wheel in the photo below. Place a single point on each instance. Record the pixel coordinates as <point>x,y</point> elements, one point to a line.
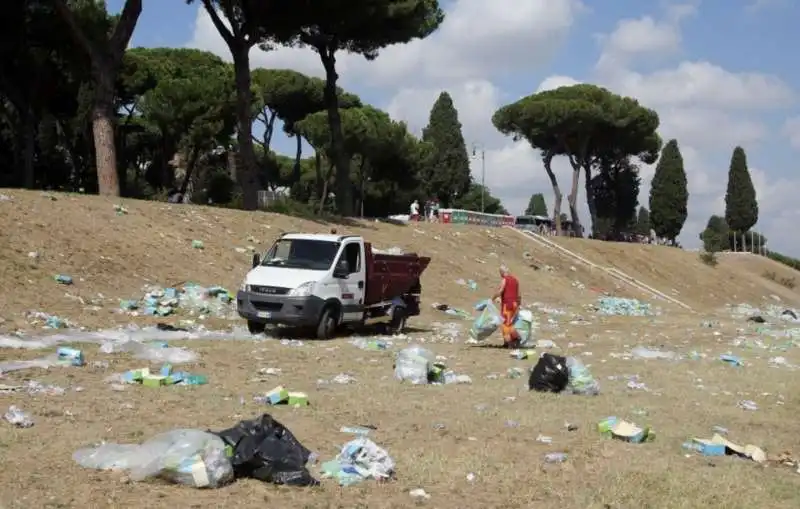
<point>327,323</point>
<point>255,327</point>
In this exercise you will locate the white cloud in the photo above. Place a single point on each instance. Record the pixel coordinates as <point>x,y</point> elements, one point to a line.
<point>791,128</point>
<point>553,82</point>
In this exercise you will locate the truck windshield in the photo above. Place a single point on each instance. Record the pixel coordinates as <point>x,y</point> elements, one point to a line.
<point>301,254</point>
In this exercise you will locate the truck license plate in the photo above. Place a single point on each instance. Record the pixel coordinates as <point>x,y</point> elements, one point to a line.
<point>264,314</point>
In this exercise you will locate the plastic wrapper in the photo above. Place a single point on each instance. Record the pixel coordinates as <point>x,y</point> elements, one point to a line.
<point>183,456</point>
<point>487,322</point>
<point>581,380</point>
<point>413,364</point>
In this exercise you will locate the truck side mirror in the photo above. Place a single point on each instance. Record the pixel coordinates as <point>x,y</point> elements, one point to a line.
<point>340,271</point>
<point>256,260</point>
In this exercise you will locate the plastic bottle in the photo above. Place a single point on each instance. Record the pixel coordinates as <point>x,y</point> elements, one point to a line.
<point>555,457</point>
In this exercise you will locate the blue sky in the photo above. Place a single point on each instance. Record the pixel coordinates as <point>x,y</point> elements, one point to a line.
<point>715,71</point>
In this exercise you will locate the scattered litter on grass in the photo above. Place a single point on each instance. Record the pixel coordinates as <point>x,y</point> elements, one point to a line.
<point>720,446</point>
<point>165,376</point>
<point>193,298</point>
<point>419,494</point>
<point>581,380</point>
<point>370,344</point>
<point>340,379</point>
<point>460,313</point>
<point>281,396</point>
<point>641,352</point>
<point>625,431</point>
<point>63,279</point>
<point>120,210</point>
<point>732,360</point>
<point>359,460</point>
<point>747,404</point>
<point>469,283</point>
<point>555,457</point>
<point>17,417</point>
<point>617,306</point>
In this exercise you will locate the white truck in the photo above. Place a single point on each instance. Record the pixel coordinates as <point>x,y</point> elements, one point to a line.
<point>329,281</point>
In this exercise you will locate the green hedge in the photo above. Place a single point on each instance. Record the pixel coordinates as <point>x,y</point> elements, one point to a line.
<point>790,262</point>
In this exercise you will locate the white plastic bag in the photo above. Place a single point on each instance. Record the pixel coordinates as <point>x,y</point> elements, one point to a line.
<point>413,364</point>
<point>183,456</point>
<point>150,352</point>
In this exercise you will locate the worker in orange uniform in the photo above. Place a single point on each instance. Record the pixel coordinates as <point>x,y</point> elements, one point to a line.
<point>509,296</point>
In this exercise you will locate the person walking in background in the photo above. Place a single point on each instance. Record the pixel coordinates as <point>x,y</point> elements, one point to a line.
<point>413,214</point>
<point>435,210</point>
<point>510,299</point>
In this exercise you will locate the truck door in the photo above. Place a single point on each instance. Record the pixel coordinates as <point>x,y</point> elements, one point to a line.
<point>351,288</point>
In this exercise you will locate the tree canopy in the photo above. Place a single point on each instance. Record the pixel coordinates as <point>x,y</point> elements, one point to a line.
<point>588,125</point>
<point>669,196</point>
<point>446,170</point>
<point>536,206</point>
<point>741,205</point>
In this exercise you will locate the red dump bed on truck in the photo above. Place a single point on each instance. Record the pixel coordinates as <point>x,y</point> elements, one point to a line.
<point>391,275</point>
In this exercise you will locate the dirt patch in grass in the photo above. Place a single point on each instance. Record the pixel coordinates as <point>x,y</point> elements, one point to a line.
<point>440,436</point>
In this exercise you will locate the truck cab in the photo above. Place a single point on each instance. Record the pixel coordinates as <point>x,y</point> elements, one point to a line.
<point>325,281</point>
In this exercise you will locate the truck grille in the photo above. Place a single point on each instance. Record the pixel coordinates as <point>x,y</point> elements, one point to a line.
<point>269,290</point>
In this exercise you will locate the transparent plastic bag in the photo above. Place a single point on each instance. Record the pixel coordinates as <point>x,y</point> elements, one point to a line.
<point>581,380</point>
<point>487,322</point>
<point>524,327</point>
<point>150,352</point>
<point>183,456</point>
<point>413,364</point>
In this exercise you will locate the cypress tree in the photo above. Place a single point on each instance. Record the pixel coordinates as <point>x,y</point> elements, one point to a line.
<point>536,206</point>
<point>741,205</point>
<point>643,221</point>
<point>669,196</point>
<point>446,171</point>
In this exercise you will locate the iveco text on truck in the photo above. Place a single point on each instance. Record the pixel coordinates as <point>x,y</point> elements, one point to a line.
<point>327,282</point>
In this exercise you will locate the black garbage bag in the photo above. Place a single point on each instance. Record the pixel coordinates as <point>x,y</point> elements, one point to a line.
<point>266,450</point>
<point>550,374</point>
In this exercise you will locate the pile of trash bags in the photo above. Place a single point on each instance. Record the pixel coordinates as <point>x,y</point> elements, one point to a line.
<point>260,448</point>
<point>490,319</point>
<point>554,373</point>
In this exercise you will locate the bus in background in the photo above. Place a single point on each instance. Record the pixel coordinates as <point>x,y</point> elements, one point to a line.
<point>542,225</point>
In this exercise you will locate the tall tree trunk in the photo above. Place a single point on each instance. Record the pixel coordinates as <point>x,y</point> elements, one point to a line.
<point>28,147</point>
<point>246,174</point>
<point>324,197</point>
<point>572,198</point>
<point>587,173</point>
<point>344,202</point>
<point>297,155</point>
<point>318,181</point>
<point>191,163</point>
<point>103,132</point>
<point>106,59</point>
<point>547,159</point>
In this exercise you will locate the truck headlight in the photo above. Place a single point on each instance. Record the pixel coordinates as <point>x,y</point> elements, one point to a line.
<point>303,290</point>
<point>244,287</point>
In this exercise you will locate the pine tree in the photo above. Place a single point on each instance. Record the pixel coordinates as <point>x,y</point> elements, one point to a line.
<point>536,206</point>
<point>669,197</point>
<point>741,205</point>
<point>446,173</point>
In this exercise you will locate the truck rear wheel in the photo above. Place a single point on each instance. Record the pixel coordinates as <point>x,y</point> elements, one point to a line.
<point>255,327</point>
<point>327,323</point>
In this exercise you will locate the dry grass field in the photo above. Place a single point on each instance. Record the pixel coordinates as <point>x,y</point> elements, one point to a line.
<point>472,445</point>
